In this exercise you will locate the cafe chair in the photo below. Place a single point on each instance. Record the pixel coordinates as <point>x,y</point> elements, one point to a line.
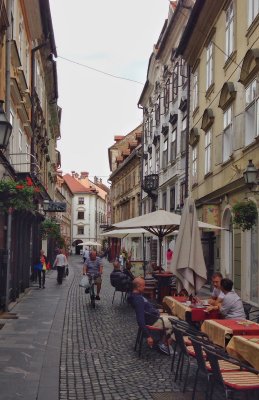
<point>247,308</point>
<point>158,334</point>
<point>203,366</point>
<point>244,379</point>
<point>184,355</point>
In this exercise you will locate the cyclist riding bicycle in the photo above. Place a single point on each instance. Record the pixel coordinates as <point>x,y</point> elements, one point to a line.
<point>93,266</point>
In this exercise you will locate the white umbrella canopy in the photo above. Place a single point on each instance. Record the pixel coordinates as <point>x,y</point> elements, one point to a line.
<point>122,233</point>
<point>89,243</point>
<point>188,260</point>
<point>159,223</point>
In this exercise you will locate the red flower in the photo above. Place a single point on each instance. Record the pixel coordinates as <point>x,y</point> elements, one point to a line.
<point>29,181</point>
<point>19,187</point>
<point>36,189</point>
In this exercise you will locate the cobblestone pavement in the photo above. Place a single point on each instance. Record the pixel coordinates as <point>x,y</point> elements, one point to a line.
<point>97,353</point>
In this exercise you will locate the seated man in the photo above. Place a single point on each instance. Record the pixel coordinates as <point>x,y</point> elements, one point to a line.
<point>93,265</point>
<point>231,306</point>
<point>146,313</point>
<point>217,295</point>
<point>127,270</point>
<point>119,279</point>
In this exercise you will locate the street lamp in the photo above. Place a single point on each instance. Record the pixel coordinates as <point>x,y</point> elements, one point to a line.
<point>5,128</point>
<point>45,205</point>
<point>150,186</point>
<point>250,175</point>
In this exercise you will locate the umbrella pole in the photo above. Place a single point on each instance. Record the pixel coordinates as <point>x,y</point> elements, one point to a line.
<point>160,253</point>
<point>144,255</point>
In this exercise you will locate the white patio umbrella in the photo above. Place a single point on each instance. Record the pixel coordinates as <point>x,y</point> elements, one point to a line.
<point>159,223</point>
<point>188,260</point>
<point>122,233</point>
<point>89,243</point>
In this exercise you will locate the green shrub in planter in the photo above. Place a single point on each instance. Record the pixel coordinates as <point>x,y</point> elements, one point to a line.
<point>245,214</point>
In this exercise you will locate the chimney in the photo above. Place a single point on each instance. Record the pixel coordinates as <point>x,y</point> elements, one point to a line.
<point>95,179</point>
<point>73,173</point>
<point>84,175</point>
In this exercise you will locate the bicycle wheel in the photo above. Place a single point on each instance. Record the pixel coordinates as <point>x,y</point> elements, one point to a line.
<point>92,296</point>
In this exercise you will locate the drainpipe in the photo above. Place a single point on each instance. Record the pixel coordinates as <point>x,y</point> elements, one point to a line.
<point>187,132</point>
<point>7,112</point>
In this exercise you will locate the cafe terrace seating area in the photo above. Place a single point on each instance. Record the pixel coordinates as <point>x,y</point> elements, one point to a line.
<point>223,353</point>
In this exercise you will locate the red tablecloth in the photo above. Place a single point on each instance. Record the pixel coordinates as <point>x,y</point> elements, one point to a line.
<point>200,314</point>
<point>238,328</point>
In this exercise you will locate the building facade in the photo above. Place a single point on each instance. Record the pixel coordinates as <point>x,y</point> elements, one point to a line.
<point>88,210</point>
<point>29,88</point>
<point>220,45</point>
<point>165,109</point>
<point>125,192</point>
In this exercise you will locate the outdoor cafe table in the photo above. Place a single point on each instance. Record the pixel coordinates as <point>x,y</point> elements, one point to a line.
<point>193,313</point>
<point>245,348</point>
<point>221,330</point>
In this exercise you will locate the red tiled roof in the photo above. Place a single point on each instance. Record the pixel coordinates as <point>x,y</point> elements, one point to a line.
<point>75,186</point>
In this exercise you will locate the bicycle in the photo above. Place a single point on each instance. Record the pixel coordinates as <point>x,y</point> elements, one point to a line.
<point>91,289</point>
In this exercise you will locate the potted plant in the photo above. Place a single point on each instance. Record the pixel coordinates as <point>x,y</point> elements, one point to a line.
<point>17,195</point>
<point>50,229</point>
<point>245,214</point>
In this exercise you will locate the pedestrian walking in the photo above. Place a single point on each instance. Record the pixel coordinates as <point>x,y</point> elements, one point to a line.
<point>60,262</point>
<point>42,272</point>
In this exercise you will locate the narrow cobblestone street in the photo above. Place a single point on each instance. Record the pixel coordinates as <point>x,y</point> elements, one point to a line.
<point>60,348</point>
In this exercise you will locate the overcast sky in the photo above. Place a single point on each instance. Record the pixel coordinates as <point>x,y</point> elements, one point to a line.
<point>116,37</point>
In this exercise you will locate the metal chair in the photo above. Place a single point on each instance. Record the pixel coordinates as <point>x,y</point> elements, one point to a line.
<point>245,379</point>
<point>203,366</point>
<point>157,333</point>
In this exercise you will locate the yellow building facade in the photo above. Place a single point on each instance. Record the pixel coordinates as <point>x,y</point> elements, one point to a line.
<point>221,46</point>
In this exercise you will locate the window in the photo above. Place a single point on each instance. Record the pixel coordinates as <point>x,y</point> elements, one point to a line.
<point>173,145</point>
<point>183,71</point>
<point>157,112</point>
<point>175,82</point>
<point>150,127</point>
<point>207,152</point>
<point>145,168</point>
<point>253,9</point>
<point>227,134</point>
<point>81,200</point>
<point>80,215</point>
<point>27,156</point>
<point>157,167</point>
<point>20,141</point>
<point>182,194</point>
<point>172,199</point>
<point>183,134</point>
<point>80,230</point>
<point>195,98</point>
<point>150,163</point>
<point>194,164</point>
<point>229,30</point>
<point>165,153</point>
<point>209,66</point>
<point>164,201</point>
<point>166,96</point>
<point>251,114</point>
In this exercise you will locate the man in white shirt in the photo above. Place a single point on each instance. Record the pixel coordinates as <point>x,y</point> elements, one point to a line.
<point>231,306</point>
<point>217,295</point>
